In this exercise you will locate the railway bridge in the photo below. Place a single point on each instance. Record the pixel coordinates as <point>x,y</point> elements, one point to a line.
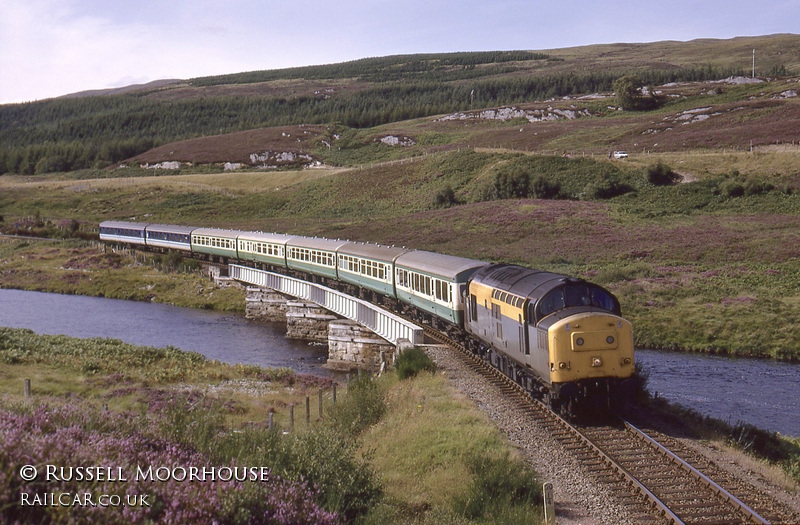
<point>349,347</point>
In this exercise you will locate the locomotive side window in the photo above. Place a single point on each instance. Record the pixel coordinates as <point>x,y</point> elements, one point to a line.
<point>550,303</point>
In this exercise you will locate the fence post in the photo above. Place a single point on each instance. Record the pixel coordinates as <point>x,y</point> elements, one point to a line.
<point>269,422</point>
<point>308,410</point>
<point>27,388</point>
<point>291,417</point>
<point>334,392</point>
<point>320,403</point>
<point>549,504</point>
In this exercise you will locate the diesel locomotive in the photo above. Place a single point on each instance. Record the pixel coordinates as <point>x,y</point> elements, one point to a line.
<point>563,339</point>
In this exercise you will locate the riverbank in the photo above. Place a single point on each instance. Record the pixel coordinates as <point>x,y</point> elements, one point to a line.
<point>150,417</point>
<point>93,269</point>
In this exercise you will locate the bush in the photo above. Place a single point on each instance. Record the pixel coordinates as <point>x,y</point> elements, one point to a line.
<point>605,188</point>
<point>411,361</point>
<point>503,490</point>
<point>512,183</point>
<point>364,405</point>
<point>740,187</point>
<point>541,188</point>
<point>327,460</point>
<point>732,188</point>
<point>445,198</point>
<point>662,175</point>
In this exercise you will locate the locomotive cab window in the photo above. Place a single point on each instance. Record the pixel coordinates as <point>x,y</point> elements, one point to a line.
<point>572,295</point>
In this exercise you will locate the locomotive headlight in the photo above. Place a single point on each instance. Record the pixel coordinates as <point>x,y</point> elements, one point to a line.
<point>610,339</point>
<point>625,361</point>
<point>579,341</point>
<point>562,365</point>
<point>596,361</point>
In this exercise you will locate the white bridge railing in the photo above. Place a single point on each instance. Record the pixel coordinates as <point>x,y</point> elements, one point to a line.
<point>383,323</point>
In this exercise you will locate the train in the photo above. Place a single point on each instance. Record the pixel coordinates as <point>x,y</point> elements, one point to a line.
<point>562,338</point>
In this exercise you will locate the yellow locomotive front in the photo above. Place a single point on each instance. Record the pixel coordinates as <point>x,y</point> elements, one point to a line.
<point>591,363</point>
<point>590,345</point>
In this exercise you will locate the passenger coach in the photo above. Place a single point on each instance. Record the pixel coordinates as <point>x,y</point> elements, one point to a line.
<point>213,241</point>
<point>267,248</point>
<point>370,266</point>
<point>434,282</point>
<point>314,255</point>
<point>129,232</point>
<point>169,237</point>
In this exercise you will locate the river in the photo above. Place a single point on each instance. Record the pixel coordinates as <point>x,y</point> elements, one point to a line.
<point>227,337</point>
<point>762,393</point>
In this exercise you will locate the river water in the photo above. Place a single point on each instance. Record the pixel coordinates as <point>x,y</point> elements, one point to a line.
<point>227,337</point>
<point>762,393</point>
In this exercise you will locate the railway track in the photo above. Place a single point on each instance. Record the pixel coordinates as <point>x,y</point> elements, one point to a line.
<point>654,484</point>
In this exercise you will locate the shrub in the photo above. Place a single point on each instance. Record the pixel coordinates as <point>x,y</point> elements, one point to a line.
<point>512,183</point>
<point>757,187</point>
<point>324,459</point>
<point>364,405</point>
<point>662,175</point>
<point>606,187</point>
<point>445,198</point>
<point>501,487</point>
<point>411,361</point>
<point>541,188</point>
<point>739,187</point>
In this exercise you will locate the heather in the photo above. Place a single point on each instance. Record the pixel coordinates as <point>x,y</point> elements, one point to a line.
<point>388,451</point>
<point>107,403</point>
<point>73,436</point>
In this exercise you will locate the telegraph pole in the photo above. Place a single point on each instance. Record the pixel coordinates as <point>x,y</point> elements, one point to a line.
<point>754,63</point>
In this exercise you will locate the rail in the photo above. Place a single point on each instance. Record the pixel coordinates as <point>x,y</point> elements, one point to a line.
<point>383,323</point>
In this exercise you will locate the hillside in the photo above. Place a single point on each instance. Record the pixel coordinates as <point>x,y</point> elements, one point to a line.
<point>733,114</point>
<point>96,131</point>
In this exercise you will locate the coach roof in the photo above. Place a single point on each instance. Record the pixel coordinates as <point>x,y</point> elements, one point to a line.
<point>447,266</point>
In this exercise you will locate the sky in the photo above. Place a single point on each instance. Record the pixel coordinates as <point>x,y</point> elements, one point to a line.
<point>50,48</point>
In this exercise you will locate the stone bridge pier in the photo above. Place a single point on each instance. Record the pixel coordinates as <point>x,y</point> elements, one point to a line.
<point>350,345</point>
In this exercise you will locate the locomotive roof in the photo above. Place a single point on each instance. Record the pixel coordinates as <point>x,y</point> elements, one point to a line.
<point>377,252</point>
<point>525,282</point>
<point>316,243</point>
<point>447,266</point>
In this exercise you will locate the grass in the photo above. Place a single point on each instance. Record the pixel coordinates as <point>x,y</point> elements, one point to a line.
<point>426,447</point>
<point>79,267</point>
<point>423,455</point>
